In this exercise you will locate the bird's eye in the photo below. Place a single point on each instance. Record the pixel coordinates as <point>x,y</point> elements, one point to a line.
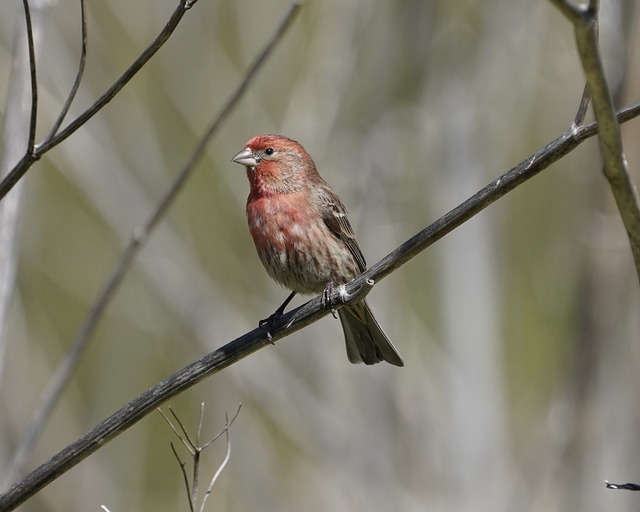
<point>269,151</point>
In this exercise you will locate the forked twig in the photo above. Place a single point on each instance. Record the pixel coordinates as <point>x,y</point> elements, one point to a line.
<point>224,462</point>
<point>195,449</point>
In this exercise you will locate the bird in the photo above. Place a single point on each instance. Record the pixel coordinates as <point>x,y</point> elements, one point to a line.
<point>304,239</point>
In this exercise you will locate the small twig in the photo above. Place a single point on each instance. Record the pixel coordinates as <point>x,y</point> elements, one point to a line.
<point>233,418</point>
<point>227,456</point>
<point>585,22</point>
<point>200,421</point>
<point>141,234</point>
<point>186,444</point>
<point>192,489</point>
<point>196,457</point>
<point>191,446</point>
<point>34,81</point>
<point>78,79</point>
<point>182,469</point>
<point>626,487</point>
<point>583,107</point>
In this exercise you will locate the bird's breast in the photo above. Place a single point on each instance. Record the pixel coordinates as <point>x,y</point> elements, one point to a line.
<point>295,246</point>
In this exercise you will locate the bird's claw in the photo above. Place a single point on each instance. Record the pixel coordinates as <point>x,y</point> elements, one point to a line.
<point>267,324</point>
<point>326,297</point>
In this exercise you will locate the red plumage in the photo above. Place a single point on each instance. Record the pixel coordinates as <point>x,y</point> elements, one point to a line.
<point>300,229</point>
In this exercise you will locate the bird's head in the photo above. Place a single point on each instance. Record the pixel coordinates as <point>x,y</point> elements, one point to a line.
<point>276,164</point>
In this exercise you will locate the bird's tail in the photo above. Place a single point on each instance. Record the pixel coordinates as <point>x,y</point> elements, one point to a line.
<point>366,341</point>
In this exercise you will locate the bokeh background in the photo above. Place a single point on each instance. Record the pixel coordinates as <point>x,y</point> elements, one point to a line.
<point>520,330</point>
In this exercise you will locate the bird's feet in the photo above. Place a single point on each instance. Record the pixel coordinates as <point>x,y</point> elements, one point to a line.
<point>328,292</point>
<point>267,325</point>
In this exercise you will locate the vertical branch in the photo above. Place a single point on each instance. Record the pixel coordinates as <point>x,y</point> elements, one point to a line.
<point>32,73</point>
<point>18,131</point>
<point>585,22</point>
<point>76,83</point>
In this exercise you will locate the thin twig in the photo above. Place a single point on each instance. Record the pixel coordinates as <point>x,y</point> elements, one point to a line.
<point>189,442</point>
<point>78,79</point>
<point>200,421</point>
<point>585,22</point>
<point>34,80</point>
<point>184,473</point>
<point>233,418</point>
<point>227,456</point>
<point>179,435</point>
<point>196,458</point>
<point>141,234</point>
<point>626,487</point>
<point>192,490</point>
<point>583,107</point>
<point>295,320</point>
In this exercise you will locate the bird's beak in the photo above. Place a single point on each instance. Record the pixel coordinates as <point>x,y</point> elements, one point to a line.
<point>245,157</point>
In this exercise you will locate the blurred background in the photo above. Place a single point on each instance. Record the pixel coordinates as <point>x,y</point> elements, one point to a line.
<point>520,330</point>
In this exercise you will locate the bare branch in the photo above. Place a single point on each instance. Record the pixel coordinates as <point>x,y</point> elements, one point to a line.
<point>191,446</point>
<point>187,445</point>
<point>76,83</point>
<point>585,21</point>
<point>224,461</point>
<point>192,490</point>
<point>35,153</point>
<point>295,320</point>
<point>626,487</point>
<point>141,234</point>
<point>17,124</point>
<point>200,421</point>
<point>182,470</point>
<point>34,81</point>
<point>233,418</point>
<point>583,107</point>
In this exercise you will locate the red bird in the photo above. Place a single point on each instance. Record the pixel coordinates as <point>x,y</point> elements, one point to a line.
<point>303,238</point>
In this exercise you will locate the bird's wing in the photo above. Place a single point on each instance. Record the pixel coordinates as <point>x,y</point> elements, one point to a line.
<point>334,215</point>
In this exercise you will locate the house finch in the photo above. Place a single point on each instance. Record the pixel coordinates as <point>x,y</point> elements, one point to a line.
<point>303,238</point>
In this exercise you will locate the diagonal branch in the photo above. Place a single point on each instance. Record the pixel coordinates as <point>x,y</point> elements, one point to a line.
<point>295,320</point>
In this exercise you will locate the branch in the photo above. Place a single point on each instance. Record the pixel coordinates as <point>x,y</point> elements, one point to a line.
<point>585,21</point>
<point>626,487</point>
<point>195,449</point>
<point>76,83</point>
<point>34,80</point>
<point>34,153</point>
<point>295,320</point>
<point>140,236</point>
